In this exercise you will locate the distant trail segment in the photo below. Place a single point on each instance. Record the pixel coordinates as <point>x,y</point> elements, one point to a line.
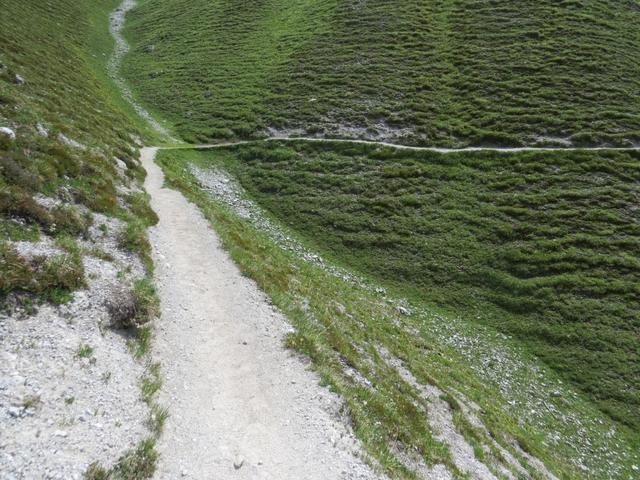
<point>116,23</point>
<point>409,147</point>
<point>241,405</point>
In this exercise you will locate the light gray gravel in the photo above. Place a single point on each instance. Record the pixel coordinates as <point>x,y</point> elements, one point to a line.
<point>60,412</point>
<point>242,406</point>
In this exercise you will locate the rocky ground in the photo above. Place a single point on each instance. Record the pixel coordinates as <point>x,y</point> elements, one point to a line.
<point>69,384</point>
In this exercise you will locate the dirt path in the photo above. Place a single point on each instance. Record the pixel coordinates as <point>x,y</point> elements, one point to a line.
<point>241,405</point>
<point>409,147</point>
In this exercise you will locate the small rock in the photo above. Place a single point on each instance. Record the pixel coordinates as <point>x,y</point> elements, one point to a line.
<point>19,80</point>
<point>184,473</point>
<point>120,164</point>
<point>238,462</point>
<point>42,131</point>
<point>7,132</point>
<point>69,142</point>
<point>556,394</point>
<point>60,433</point>
<point>403,310</point>
<point>14,412</point>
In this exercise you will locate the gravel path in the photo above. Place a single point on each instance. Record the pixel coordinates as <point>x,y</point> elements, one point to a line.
<point>242,406</point>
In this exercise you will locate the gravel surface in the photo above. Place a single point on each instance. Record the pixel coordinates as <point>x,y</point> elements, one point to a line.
<point>242,406</point>
<point>60,411</point>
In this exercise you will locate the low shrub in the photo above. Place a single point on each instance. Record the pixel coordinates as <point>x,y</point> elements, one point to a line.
<point>134,238</point>
<point>135,307</point>
<point>52,277</point>
<point>139,205</point>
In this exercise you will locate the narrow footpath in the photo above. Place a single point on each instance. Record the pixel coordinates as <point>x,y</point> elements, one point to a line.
<point>241,405</point>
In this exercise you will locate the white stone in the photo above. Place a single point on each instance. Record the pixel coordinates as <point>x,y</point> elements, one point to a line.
<point>42,131</point>
<point>238,462</point>
<point>120,164</point>
<point>6,131</point>
<point>71,143</point>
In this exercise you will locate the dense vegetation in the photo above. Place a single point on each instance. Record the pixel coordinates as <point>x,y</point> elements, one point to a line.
<point>541,245</point>
<point>442,72</point>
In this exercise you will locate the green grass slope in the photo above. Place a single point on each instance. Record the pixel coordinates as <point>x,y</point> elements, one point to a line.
<point>442,72</point>
<point>542,246</point>
<point>69,124</point>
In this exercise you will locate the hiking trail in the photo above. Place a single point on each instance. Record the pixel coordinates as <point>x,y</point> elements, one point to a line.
<point>241,405</point>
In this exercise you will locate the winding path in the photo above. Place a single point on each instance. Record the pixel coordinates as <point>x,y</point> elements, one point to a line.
<point>405,147</point>
<point>241,405</point>
<point>116,24</point>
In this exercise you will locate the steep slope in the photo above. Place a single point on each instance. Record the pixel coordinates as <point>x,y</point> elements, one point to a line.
<point>74,256</point>
<point>540,245</point>
<point>443,72</point>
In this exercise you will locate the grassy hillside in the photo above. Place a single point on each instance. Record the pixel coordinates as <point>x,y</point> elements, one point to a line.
<point>542,246</point>
<point>442,72</point>
<point>68,157</point>
<point>353,331</point>
<point>69,124</point>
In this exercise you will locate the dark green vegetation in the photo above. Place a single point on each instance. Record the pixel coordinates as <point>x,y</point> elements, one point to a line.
<point>438,72</point>
<point>542,246</point>
<point>52,278</point>
<point>345,329</point>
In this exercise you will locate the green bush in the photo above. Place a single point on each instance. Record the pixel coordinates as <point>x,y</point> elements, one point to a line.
<point>147,304</point>
<point>139,206</point>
